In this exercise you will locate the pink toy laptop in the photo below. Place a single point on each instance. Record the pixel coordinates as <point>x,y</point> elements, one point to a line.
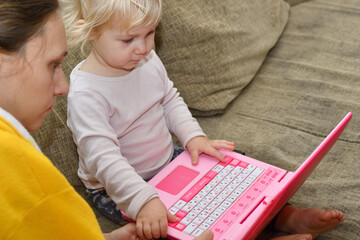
<point>235,199</point>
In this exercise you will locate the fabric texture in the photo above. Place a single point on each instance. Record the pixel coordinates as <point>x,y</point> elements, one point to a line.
<point>112,118</point>
<point>294,2</point>
<point>37,201</point>
<point>212,49</point>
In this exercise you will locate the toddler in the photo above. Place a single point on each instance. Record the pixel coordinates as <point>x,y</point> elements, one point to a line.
<point>122,109</point>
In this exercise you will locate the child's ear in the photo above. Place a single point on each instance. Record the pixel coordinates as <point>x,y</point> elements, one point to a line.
<point>81,22</point>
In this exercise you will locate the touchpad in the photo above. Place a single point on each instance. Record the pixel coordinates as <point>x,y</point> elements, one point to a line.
<point>177,180</point>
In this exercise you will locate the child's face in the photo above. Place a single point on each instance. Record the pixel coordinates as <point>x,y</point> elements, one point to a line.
<point>122,50</point>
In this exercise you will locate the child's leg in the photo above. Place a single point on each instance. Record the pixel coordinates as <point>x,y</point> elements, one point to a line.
<point>105,205</point>
<point>177,150</point>
<point>313,220</point>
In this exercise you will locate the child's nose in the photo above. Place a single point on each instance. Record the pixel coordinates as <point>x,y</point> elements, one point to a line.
<point>140,47</point>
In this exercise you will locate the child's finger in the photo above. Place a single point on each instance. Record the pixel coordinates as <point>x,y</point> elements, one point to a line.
<point>163,228</point>
<point>215,153</point>
<point>147,231</point>
<point>139,230</point>
<point>171,218</point>
<point>218,144</point>
<point>194,157</point>
<point>156,231</point>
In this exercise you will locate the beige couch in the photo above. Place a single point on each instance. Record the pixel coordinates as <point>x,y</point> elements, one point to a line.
<point>273,76</point>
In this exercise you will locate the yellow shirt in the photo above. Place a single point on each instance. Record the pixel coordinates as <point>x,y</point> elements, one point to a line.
<point>36,200</point>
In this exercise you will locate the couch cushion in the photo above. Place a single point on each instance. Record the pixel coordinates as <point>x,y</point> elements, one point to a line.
<point>307,84</point>
<point>212,49</point>
<point>294,2</point>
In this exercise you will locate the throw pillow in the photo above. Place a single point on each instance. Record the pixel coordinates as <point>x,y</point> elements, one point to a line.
<point>212,49</point>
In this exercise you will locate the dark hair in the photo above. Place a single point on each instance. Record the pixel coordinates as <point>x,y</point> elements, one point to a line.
<point>22,19</point>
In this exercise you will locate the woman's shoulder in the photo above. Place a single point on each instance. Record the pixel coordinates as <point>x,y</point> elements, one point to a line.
<point>27,166</point>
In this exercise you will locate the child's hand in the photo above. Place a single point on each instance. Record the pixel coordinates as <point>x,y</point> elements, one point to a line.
<point>152,220</point>
<point>198,145</point>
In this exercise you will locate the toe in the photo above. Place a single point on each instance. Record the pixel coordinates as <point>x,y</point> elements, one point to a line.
<point>337,214</point>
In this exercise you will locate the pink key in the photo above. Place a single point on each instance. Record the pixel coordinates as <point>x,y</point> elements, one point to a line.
<point>181,214</point>
<point>211,174</point>
<point>234,162</point>
<point>180,226</point>
<point>188,196</point>
<point>243,164</point>
<point>228,159</point>
<point>268,172</point>
<point>173,224</point>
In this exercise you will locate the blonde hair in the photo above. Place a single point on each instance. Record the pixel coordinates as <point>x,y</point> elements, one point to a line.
<point>98,14</point>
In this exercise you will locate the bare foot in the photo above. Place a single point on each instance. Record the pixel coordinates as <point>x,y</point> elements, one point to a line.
<point>295,237</point>
<point>313,220</point>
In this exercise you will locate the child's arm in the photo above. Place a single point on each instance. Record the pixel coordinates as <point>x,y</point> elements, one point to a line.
<point>198,145</point>
<point>152,220</point>
<point>185,127</point>
<point>101,161</point>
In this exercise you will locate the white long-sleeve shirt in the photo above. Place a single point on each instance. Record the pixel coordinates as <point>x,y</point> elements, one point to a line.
<point>122,125</point>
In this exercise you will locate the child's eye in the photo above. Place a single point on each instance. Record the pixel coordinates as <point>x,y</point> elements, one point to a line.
<point>128,40</point>
<point>150,33</point>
